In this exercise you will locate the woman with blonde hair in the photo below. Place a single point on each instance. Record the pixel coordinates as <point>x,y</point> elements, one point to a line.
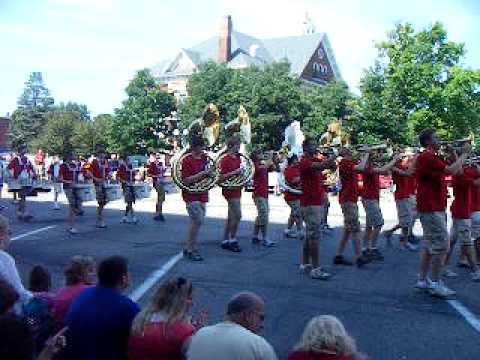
<point>325,338</point>
<point>162,329</point>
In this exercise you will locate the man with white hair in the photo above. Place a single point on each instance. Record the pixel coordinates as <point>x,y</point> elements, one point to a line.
<point>237,337</point>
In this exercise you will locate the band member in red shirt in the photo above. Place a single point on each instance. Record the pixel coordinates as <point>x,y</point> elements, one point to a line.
<point>156,170</point>
<point>475,218</point>
<point>230,166</point>
<point>291,175</point>
<point>126,175</point>
<point>430,172</point>
<point>194,169</point>
<point>260,198</point>
<point>312,199</point>
<point>463,183</point>
<point>371,203</point>
<point>39,160</point>
<point>348,197</point>
<point>71,173</point>
<point>100,173</point>
<point>21,169</point>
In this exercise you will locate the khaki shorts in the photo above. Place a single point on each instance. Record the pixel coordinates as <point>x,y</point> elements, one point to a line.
<point>262,211</point>
<point>101,195</point>
<point>73,198</point>
<point>404,212</point>
<point>435,235</point>
<point>475,217</point>
<point>234,209</point>
<point>413,206</point>
<point>373,213</point>
<point>461,231</point>
<point>196,211</point>
<point>313,218</point>
<point>295,210</point>
<point>128,193</point>
<point>351,220</point>
<point>160,189</point>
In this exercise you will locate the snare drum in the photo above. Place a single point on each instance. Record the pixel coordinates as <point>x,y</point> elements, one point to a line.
<point>85,192</point>
<point>14,185</point>
<point>113,192</point>
<point>141,190</point>
<point>42,186</point>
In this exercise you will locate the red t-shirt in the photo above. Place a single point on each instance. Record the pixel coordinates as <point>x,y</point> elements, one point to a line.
<point>310,355</point>
<point>461,207</point>
<point>159,341</point>
<point>412,184</point>
<point>99,170</point>
<point>475,190</point>
<point>192,166</point>
<point>403,186</point>
<point>260,181</point>
<point>62,300</point>
<point>371,183</point>
<point>290,173</point>
<point>69,171</point>
<point>431,184</point>
<point>156,171</point>
<point>348,179</point>
<point>229,163</point>
<point>126,173</point>
<point>311,182</point>
<point>18,164</point>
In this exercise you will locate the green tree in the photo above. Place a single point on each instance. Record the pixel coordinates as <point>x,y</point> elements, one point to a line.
<point>81,109</point>
<point>59,132</point>
<point>29,118</point>
<point>142,116</point>
<point>89,134</point>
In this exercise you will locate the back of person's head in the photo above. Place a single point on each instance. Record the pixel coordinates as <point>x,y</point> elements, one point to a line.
<point>16,339</point>
<point>40,279</point>
<point>80,271</point>
<point>292,159</point>
<point>327,333</point>
<point>4,233</point>
<point>233,141</point>
<point>8,297</point>
<point>247,309</point>
<point>112,272</point>
<point>425,137</point>
<point>172,300</point>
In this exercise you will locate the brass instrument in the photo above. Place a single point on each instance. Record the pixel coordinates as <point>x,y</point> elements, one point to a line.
<point>449,149</point>
<point>245,175</point>
<point>472,161</point>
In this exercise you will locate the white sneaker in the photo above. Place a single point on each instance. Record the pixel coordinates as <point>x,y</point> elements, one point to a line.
<point>476,276</point>
<point>101,224</point>
<point>268,243</point>
<point>56,206</point>
<point>438,289</point>
<point>320,274</point>
<point>134,220</point>
<point>409,246</point>
<point>73,231</point>
<point>290,233</point>
<point>124,220</point>
<point>449,273</point>
<point>423,285</point>
<point>306,268</point>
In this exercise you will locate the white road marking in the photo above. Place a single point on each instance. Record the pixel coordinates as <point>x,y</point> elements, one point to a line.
<point>467,314</point>
<point>154,277</point>
<point>33,232</point>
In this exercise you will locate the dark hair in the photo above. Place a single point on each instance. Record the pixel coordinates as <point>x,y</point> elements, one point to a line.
<point>241,302</point>
<point>111,271</point>
<point>308,140</point>
<point>196,141</point>
<point>292,159</point>
<point>425,137</point>
<point>40,279</point>
<point>17,341</point>
<point>76,272</point>
<point>8,296</point>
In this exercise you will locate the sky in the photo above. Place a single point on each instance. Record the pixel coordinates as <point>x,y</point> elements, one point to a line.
<point>88,50</point>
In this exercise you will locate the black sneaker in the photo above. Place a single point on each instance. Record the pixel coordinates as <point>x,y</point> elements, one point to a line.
<point>193,255</point>
<point>362,260</point>
<point>376,255</point>
<point>231,246</point>
<point>159,218</point>
<point>340,260</point>
<point>255,240</point>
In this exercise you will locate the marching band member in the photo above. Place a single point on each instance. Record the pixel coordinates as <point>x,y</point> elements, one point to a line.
<point>311,201</point>
<point>230,166</point>
<point>348,198</point>
<point>260,198</point>
<point>69,174</point>
<point>126,175</point>
<point>156,170</point>
<point>461,209</point>
<point>370,195</point>
<point>475,218</point>
<point>292,179</point>
<point>100,173</point>
<point>21,168</point>
<point>54,175</point>
<point>430,172</point>
<point>194,169</point>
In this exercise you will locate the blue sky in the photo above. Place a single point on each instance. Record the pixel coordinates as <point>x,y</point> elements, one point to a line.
<point>87,50</point>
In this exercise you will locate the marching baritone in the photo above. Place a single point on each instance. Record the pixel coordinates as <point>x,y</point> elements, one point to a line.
<point>194,169</point>
<point>291,175</point>
<point>54,176</point>
<point>348,197</point>
<point>100,172</point>
<point>156,170</point>
<point>126,175</point>
<point>21,169</point>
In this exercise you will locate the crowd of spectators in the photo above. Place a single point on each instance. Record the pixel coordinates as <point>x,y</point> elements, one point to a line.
<point>90,318</point>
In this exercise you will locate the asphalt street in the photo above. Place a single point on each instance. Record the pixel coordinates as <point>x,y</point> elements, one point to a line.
<point>377,304</point>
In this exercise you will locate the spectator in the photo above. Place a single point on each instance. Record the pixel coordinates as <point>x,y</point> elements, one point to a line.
<point>162,328</point>
<point>8,297</point>
<point>79,275</point>
<point>8,269</point>
<point>40,282</point>
<point>100,319</point>
<point>325,338</point>
<point>236,338</point>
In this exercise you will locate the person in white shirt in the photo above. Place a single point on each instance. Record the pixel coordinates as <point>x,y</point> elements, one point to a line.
<point>237,337</point>
<point>8,269</point>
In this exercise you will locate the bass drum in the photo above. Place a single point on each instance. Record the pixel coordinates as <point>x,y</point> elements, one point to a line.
<point>113,192</point>
<point>85,192</point>
<point>141,190</point>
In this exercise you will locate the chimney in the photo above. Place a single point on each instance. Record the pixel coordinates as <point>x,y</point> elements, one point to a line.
<point>225,40</point>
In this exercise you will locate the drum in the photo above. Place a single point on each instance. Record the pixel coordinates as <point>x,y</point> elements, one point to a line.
<point>141,190</point>
<point>42,186</point>
<point>113,192</point>
<point>85,192</point>
<point>14,185</point>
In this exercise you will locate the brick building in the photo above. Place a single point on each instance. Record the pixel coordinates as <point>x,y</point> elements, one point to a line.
<point>4,124</point>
